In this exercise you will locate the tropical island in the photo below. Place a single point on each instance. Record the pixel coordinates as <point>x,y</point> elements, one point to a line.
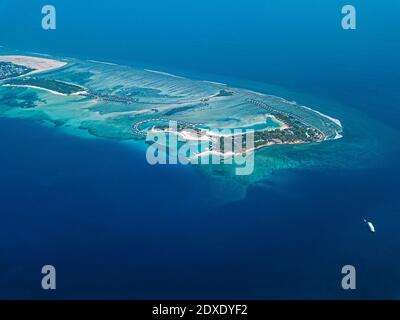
<point>122,102</point>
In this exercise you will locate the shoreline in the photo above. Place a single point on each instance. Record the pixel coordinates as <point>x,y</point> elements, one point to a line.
<point>39,65</point>
<point>45,64</point>
<point>60,64</point>
<point>212,138</point>
<point>44,89</point>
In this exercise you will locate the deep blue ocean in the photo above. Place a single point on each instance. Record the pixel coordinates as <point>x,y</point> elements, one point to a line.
<point>116,228</point>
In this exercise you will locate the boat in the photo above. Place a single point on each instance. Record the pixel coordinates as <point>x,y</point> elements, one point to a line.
<point>370,226</point>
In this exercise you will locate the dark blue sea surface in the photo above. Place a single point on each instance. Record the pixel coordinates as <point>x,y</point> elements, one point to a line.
<point>116,227</point>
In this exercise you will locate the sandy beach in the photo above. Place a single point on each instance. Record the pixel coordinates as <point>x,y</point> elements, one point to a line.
<point>39,64</point>
<point>34,87</point>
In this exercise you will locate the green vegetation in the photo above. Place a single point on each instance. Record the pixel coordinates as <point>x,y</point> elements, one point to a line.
<point>297,132</point>
<point>54,85</point>
<point>9,70</point>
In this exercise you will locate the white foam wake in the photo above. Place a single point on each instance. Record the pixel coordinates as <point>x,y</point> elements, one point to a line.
<point>217,83</point>
<point>102,62</point>
<point>337,121</point>
<point>164,73</point>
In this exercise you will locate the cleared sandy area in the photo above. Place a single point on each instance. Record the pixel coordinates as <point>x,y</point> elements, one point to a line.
<point>39,64</point>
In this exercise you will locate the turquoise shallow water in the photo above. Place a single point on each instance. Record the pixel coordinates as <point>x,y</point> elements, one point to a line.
<point>117,228</point>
